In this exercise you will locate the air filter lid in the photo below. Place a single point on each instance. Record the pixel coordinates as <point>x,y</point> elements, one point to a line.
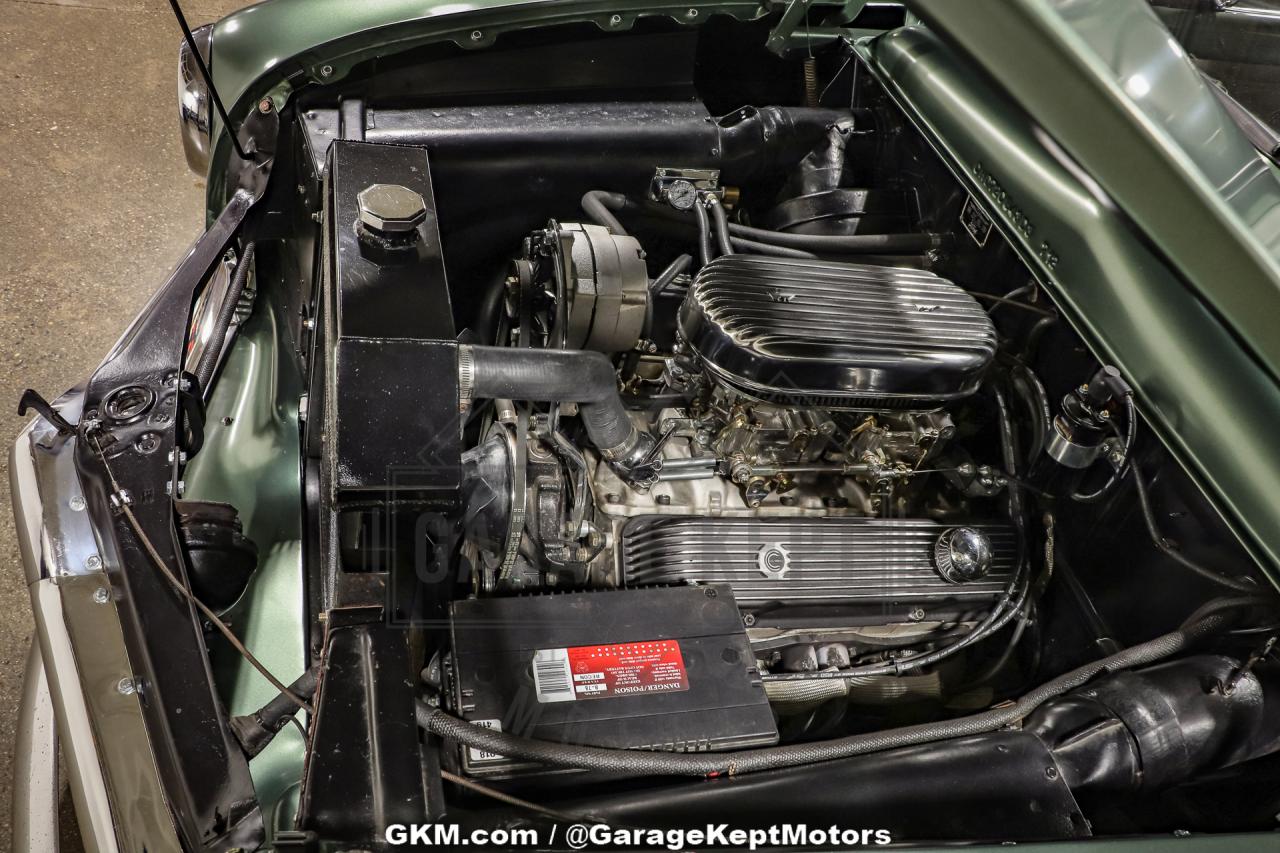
<point>836,335</point>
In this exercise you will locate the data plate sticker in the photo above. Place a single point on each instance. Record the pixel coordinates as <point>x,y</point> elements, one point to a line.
<point>598,672</point>
<point>975,221</point>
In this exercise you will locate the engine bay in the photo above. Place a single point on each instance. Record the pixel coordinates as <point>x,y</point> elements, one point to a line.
<point>698,422</point>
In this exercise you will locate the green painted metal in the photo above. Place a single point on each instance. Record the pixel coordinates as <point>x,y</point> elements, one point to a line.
<point>253,463</point>
<point>1212,403</point>
<point>1108,83</point>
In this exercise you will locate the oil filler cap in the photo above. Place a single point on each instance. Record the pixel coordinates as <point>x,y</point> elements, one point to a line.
<point>962,554</point>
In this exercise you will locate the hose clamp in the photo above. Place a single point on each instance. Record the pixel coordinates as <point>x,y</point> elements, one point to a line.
<point>634,460</point>
<point>466,378</point>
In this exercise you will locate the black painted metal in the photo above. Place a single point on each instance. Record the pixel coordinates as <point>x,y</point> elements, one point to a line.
<point>391,407</point>
<point>364,769</point>
<point>205,774</point>
<point>383,411</point>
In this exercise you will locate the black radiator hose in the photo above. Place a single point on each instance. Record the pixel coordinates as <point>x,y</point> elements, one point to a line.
<point>445,725</point>
<point>563,376</point>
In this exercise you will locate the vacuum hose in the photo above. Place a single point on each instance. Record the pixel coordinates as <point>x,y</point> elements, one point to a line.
<point>563,376</point>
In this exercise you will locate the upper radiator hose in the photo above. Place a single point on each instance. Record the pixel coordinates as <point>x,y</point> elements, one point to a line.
<point>564,376</point>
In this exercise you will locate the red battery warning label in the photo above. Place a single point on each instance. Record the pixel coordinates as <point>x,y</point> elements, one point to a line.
<point>620,669</point>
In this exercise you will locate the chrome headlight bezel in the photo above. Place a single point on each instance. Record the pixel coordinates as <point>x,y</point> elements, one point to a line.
<point>195,106</point>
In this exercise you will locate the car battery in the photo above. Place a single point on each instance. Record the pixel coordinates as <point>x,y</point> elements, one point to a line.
<point>666,668</point>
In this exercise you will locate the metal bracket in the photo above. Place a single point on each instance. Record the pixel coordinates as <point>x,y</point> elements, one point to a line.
<point>784,38</point>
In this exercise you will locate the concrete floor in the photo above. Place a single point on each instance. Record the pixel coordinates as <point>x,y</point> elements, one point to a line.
<point>96,205</point>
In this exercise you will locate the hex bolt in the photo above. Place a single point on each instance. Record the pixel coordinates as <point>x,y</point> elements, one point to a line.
<point>265,105</point>
<point>391,209</point>
<point>101,596</point>
<point>916,615</point>
<point>326,70</point>
<point>615,20</point>
<point>663,500</point>
<point>93,563</point>
<point>76,503</point>
<point>476,35</point>
<point>126,686</point>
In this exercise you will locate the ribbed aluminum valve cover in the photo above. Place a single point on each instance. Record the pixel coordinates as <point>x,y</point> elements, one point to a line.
<point>809,561</point>
<point>836,335</point>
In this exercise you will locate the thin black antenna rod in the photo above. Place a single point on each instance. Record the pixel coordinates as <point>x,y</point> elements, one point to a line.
<point>208,78</point>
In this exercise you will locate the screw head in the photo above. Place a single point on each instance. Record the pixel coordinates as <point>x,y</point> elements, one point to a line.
<point>326,70</point>
<point>615,20</point>
<point>76,503</point>
<point>101,596</point>
<point>265,105</point>
<point>93,563</point>
<point>476,35</point>
<point>391,208</point>
<point>916,615</point>
<point>126,687</point>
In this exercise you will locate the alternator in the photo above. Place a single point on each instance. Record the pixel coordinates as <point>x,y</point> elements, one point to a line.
<point>597,283</point>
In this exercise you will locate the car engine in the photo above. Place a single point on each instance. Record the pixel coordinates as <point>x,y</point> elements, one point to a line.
<point>628,429</point>
<point>781,443</point>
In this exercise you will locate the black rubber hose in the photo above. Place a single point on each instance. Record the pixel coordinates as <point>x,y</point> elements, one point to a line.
<point>447,726</point>
<point>554,376</point>
<point>489,314</point>
<point>668,275</point>
<point>852,244</point>
<point>1037,400</point>
<point>720,220</point>
<point>599,206</point>
<point>754,247</point>
<point>226,311</point>
<point>705,251</point>
<point>747,237</point>
<point>254,731</point>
